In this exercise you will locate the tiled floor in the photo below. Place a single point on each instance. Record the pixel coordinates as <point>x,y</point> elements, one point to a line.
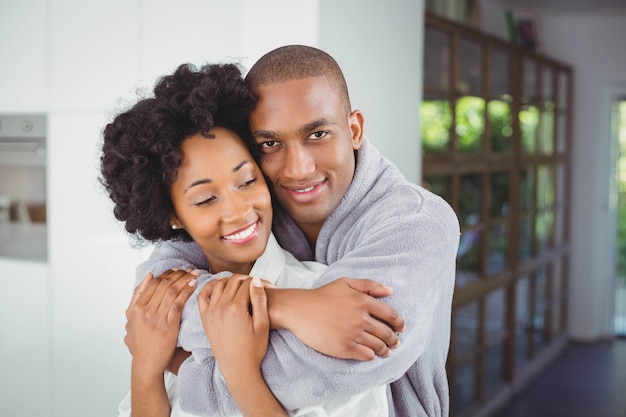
<point>588,380</point>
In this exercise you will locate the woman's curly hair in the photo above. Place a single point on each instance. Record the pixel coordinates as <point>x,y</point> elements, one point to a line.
<point>141,151</point>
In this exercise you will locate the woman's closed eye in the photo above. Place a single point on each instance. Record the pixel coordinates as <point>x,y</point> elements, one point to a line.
<point>249,182</point>
<point>205,201</point>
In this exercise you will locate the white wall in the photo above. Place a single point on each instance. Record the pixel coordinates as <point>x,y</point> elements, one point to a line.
<point>381,52</point>
<point>80,62</point>
<point>591,40</point>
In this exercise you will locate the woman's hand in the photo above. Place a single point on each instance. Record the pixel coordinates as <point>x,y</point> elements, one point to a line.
<point>153,320</point>
<point>235,319</point>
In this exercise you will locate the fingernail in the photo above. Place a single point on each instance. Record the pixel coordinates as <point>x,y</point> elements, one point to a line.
<point>192,283</point>
<point>175,269</point>
<point>256,282</point>
<point>195,272</point>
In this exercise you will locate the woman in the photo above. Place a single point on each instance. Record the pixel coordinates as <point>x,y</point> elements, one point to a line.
<point>176,168</point>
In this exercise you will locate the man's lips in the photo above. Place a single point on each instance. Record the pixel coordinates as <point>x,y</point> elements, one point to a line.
<point>244,235</point>
<point>305,193</point>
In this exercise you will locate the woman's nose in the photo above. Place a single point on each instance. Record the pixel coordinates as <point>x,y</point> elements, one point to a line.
<point>236,207</point>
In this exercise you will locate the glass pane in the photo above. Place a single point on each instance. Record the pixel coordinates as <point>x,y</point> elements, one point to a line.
<point>470,123</point>
<point>468,257</point>
<point>529,122</point>
<point>500,125</point>
<point>545,187</point>
<point>547,84</point>
<point>522,321</point>
<point>438,184</point>
<point>465,330</point>
<point>544,227</point>
<point>435,122</point>
<point>525,238</point>
<point>529,86</point>
<point>527,187</point>
<point>494,375</point>
<point>561,134</point>
<point>557,293</point>
<point>498,249</point>
<point>499,201</point>
<point>539,329</point>
<point>470,199</point>
<point>464,386</point>
<point>436,58</point>
<point>494,320</point>
<point>546,139</point>
<point>470,70</point>
<point>559,224</point>
<point>499,85</point>
<point>563,93</point>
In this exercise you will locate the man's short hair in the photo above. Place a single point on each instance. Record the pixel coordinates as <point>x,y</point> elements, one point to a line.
<point>294,62</point>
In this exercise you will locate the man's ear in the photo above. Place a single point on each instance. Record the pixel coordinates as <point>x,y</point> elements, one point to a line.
<point>356,121</point>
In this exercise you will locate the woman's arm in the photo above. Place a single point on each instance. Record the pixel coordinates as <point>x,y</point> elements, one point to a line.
<point>236,321</point>
<point>153,320</point>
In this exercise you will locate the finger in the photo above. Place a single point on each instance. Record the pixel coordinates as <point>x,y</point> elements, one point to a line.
<point>258,300</point>
<point>381,330</point>
<point>374,343</point>
<point>233,286</point>
<point>205,293</point>
<point>175,310</point>
<point>386,314</point>
<point>178,284</point>
<point>154,296</point>
<point>367,286</point>
<point>139,290</point>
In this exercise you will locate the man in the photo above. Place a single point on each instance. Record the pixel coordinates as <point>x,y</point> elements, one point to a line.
<point>341,203</point>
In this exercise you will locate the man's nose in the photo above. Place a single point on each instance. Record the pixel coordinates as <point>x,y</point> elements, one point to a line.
<point>299,163</point>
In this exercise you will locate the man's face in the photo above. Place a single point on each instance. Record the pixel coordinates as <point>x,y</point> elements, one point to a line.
<point>307,143</point>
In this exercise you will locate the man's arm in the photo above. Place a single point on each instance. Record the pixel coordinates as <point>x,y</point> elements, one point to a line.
<point>413,251</point>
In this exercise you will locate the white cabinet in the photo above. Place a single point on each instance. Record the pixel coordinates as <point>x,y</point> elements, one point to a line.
<point>24,345</point>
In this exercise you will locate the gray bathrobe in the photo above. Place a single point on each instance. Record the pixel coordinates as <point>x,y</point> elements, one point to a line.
<point>386,229</point>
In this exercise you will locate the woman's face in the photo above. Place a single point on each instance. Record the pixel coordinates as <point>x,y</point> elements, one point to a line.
<point>221,199</point>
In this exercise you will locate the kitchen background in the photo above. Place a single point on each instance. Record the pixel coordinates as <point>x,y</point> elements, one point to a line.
<point>76,63</point>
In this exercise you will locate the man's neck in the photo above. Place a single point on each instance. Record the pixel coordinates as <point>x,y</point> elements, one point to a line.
<point>311,231</point>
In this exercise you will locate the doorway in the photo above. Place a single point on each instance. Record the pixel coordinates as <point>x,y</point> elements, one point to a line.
<point>618,127</point>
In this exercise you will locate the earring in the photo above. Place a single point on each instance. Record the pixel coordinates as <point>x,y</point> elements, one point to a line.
<point>174,227</point>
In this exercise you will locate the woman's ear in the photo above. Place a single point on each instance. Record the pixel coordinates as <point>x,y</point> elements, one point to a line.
<point>175,224</point>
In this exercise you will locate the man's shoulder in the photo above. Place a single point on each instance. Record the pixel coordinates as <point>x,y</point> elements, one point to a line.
<point>407,203</point>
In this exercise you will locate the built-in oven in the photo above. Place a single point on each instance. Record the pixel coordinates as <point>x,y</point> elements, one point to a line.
<point>23,222</point>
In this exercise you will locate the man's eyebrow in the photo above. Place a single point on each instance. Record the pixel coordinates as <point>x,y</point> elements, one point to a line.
<point>304,129</point>
<point>264,134</point>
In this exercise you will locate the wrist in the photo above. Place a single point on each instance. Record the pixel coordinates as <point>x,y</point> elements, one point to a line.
<point>276,308</point>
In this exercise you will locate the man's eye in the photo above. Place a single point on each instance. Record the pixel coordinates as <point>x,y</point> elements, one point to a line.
<point>268,144</point>
<point>318,135</point>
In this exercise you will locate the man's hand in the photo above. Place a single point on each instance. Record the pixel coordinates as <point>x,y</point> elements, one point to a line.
<point>344,319</point>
